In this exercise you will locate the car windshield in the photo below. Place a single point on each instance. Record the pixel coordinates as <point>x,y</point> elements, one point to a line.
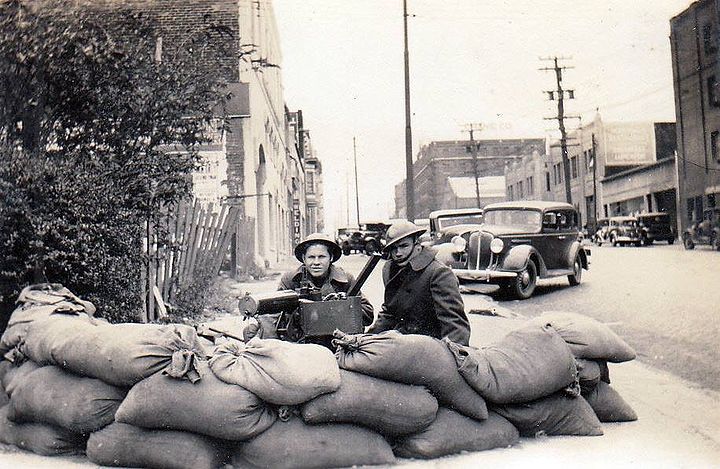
<point>526,219</point>
<point>649,220</point>
<point>471,218</point>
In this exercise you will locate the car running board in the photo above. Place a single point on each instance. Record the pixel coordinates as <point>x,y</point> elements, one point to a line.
<point>559,272</point>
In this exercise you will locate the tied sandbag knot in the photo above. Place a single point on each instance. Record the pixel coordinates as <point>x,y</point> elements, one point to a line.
<point>182,366</point>
<point>16,356</point>
<point>285,413</point>
<point>348,342</point>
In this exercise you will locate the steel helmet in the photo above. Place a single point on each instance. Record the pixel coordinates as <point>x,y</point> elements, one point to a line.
<point>399,230</point>
<point>318,238</point>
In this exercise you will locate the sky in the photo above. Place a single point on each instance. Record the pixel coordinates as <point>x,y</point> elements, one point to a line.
<point>471,61</point>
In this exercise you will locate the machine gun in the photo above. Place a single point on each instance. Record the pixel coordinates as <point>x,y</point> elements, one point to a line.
<point>302,314</point>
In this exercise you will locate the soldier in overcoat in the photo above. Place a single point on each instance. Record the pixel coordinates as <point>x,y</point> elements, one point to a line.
<point>422,295</point>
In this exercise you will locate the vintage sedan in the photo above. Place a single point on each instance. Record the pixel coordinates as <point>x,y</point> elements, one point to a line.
<point>624,230</point>
<point>518,243</point>
<point>705,231</point>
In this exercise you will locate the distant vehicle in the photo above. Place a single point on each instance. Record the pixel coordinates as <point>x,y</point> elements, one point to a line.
<point>367,238</point>
<point>601,229</point>
<point>623,231</point>
<point>706,231</point>
<point>440,220</point>
<point>520,242</point>
<point>656,226</point>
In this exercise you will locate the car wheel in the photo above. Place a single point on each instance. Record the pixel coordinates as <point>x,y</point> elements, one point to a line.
<point>688,242</point>
<point>638,244</point>
<point>346,250</point>
<point>523,286</point>
<point>613,241</point>
<point>576,276</point>
<point>371,247</point>
<point>715,243</point>
<point>671,241</point>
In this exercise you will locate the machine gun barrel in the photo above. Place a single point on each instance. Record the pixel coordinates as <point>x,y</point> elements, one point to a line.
<point>268,303</point>
<point>364,274</point>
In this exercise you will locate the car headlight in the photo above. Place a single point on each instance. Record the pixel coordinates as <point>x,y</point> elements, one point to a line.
<point>459,243</point>
<point>496,245</point>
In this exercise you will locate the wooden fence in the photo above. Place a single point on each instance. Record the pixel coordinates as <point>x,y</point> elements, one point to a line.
<point>198,238</point>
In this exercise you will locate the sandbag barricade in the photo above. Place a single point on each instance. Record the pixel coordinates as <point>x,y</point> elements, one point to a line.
<point>587,337</point>
<point>589,373</point>
<point>411,359</point>
<point>119,354</point>
<point>124,445</point>
<point>452,433</point>
<point>608,405</point>
<point>208,406</point>
<point>387,407</point>
<point>40,438</point>
<point>527,364</point>
<point>556,414</point>
<point>295,444</point>
<point>37,302</point>
<point>57,397</point>
<point>278,372</point>
<point>489,330</point>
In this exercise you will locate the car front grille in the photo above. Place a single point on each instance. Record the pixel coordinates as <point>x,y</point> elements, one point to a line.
<point>482,250</point>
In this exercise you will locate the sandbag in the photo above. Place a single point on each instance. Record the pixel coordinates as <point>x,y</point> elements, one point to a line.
<point>54,396</point>
<point>527,364</point>
<point>608,405</point>
<point>37,302</point>
<point>587,337</point>
<point>589,373</point>
<point>119,354</point>
<point>278,372</point>
<point>452,433</point>
<point>385,406</point>
<point>40,438</point>
<point>294,444</point>
<point>411,359</point>
<point>557,414</point>
<point>488,330</point>
<point>4,398</point>
<point>208,406</point>
<point>15,375</point>
<point>120,444</point>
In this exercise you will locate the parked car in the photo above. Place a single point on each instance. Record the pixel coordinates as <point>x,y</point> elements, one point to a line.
<point>707,231</point>
<point>520,242</point>
<point>656,226</point>
<point>450,230</point>
<point>620,231</point>
<point>367,238</point>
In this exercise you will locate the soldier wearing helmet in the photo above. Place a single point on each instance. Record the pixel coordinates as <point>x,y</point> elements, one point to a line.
<point>422,295</point>
<point>318,253</point>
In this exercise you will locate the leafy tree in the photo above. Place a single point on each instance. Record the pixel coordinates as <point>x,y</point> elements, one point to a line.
<point>99,130</point>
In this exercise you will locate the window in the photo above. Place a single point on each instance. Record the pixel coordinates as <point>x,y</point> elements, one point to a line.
<point>712,90</point>
<point>558,173</point>
<point>714,145</point>
<point>547,181</point>
<point>310,183</point>
<point>574,166</point>
<point>510,193</point>
<point>530,188</point>
<point>521,192</point>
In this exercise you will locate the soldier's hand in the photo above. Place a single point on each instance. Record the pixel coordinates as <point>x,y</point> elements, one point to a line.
<point>262,327</point>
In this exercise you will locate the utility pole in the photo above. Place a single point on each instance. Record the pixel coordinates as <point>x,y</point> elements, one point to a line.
<point>594,170</point>
<point>561,118</point>
<point>357,197</point>
<point>409,173</point>
<point>471,128</point>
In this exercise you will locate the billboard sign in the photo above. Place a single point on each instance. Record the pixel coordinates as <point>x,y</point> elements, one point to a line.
<point>629,143</point>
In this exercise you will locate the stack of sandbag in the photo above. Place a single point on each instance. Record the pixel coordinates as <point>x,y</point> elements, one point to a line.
<point>594,344</point>
<point>291,374</point>
<point>52,411</point>
<point>37,302</point>
<point>394,361</point>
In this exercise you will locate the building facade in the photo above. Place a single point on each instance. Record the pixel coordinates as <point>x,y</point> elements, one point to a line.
<point>258,164</point>
<point>696,72</point>
<point>616,168</point>
<point>450,174</point>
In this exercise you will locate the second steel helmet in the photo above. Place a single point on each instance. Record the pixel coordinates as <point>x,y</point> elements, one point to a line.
<point>318,238</point>
<point>399,230</point>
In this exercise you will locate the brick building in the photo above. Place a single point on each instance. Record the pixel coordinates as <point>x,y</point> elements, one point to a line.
<point>632,171</point>
<point>696,72</point>
<point>445,173</point>
<point>258,165</point>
